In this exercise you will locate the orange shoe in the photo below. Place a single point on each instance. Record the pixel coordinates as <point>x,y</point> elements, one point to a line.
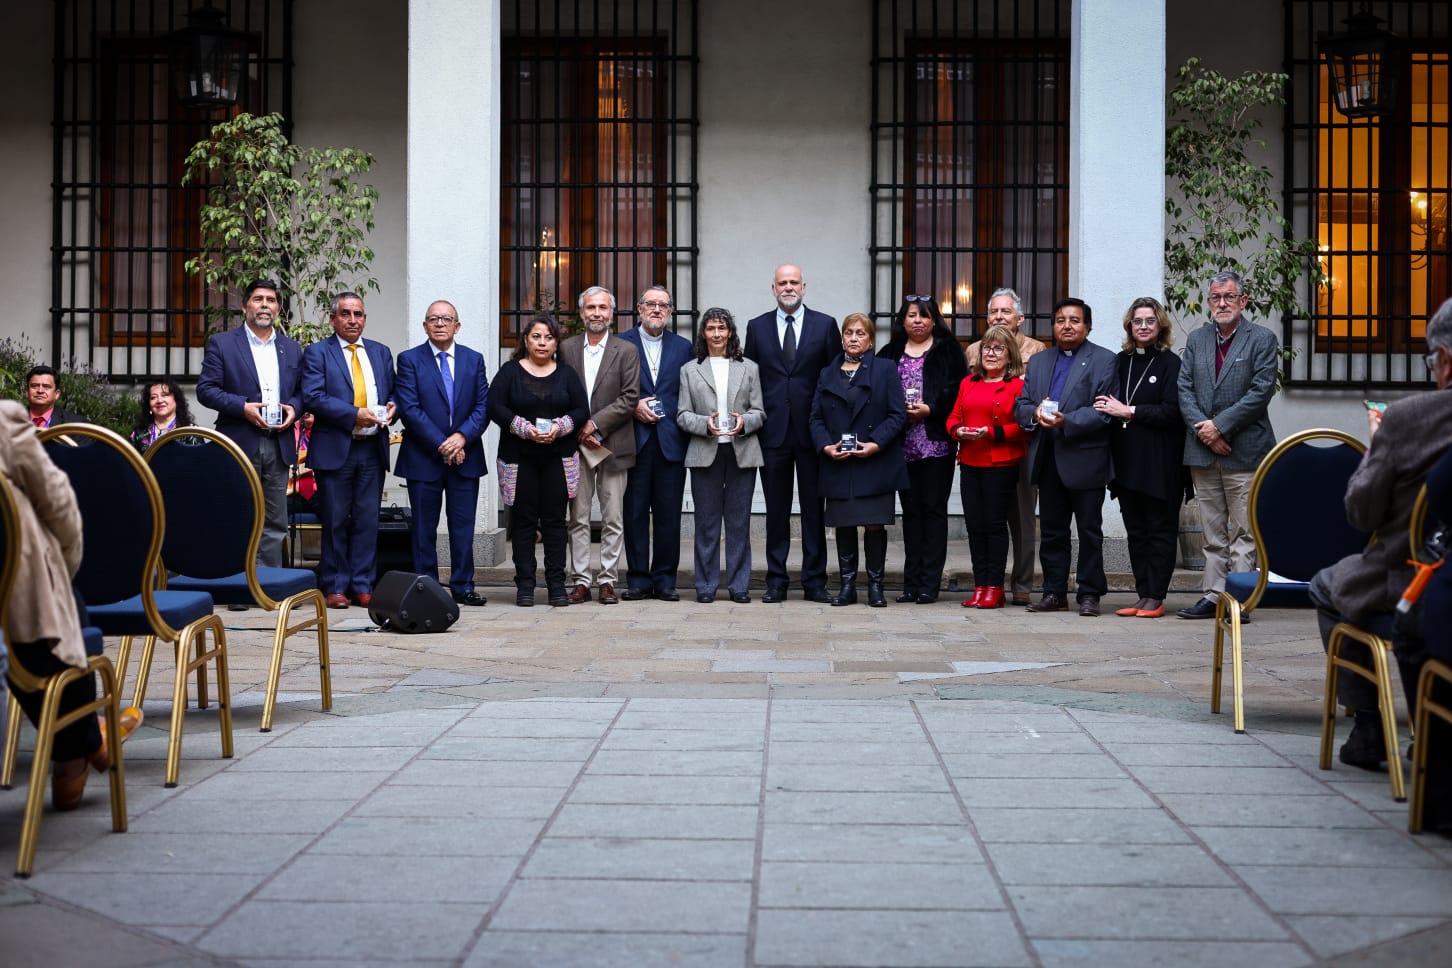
<point>131,719</point>
<point>1155,612</point>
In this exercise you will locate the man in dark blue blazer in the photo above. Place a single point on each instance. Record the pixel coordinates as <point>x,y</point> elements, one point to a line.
<point>657,482</point>
<point>1069,455</point>
<point>442,391</point>
<point>347,385</point>
<point>245,372</point>
<point>791,346</point>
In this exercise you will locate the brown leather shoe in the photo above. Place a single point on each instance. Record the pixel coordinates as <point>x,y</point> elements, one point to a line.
<point>607,594</point>
<point>336,601</point>
<point>1021,598</point>
<point>68,783</point>
<point>1049,603</point>
<point>363,599</point>
<point>580,593</point>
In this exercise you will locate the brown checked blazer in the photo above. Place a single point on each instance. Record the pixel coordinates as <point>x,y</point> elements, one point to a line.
<point>612,402</point>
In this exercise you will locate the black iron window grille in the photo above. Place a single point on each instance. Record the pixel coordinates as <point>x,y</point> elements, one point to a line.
<point>1374,194</point>
<point>598,149</point>
<point>970,156</point>
<point>122,224</point>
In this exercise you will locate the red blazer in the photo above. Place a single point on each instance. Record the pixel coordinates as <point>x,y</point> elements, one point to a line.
<point>983,404</point>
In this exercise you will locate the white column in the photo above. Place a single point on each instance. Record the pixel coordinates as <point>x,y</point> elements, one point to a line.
<point>1116,158</point>
<point>453,190</point>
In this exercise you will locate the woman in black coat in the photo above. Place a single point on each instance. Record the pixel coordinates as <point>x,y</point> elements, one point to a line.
<point>857,421</point>
<point>1147,444</point>
<point>931,366</point>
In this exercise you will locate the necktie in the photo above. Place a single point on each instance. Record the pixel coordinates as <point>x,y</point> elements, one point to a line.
<point>789,345</point>
<point>448,382</point>
<point>38,421</point>
<point>360,382</point>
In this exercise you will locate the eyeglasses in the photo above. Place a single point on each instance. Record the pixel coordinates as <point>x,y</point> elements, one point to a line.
<point>993,349</point>
<point>1223,297</point>
<point>918,299</point>
<point>446,320</point>
<point>1139,322</point>
<point>655,304</point>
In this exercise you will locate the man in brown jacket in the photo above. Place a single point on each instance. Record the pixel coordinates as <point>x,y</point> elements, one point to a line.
<point>1364,588</point>
<point>610,370</point>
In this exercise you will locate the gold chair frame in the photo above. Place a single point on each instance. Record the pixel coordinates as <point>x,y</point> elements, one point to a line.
<point>1432,671</point>
<point>1228,609</point>
<point>50,722</point>
<point>285,628</point>
<point>192,655</point>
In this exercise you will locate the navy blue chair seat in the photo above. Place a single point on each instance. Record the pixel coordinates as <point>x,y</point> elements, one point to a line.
<point>1276,594</point>
<point>277,584</point>
<point>177,609</point>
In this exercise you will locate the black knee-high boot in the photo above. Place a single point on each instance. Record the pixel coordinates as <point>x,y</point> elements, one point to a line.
<point>875,544</point>
<point>847,563</point>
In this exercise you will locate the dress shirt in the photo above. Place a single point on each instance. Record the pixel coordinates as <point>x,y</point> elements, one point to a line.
<point>1060,375</point>
<point>42,420</point>
<point>796,324</point>
<point>264,358</point>
<point>593,356</point>
<point>369,383</point>
<point>721,375</point>
<point>652,346</point>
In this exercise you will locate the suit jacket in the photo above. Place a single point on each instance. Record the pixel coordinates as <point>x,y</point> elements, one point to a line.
<point>612,404</point>
<point>698,402</point>
<point>1238,400</point>
<point>873,408</point>
<point>327,389</point>
<point>1081,442</point>
<point>1414,433</point>
<point>675,352</point>
<point>789,393</point>
<point>419,390</point>
<point>42,607</point>
<point>59,416</point>
<point>229,379</point>
<point>1149,452</point>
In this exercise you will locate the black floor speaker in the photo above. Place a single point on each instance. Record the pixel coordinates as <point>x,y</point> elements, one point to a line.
<point>405,602</point>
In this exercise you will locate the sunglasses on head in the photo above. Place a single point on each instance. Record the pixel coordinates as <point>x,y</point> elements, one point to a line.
<point>918,298</point>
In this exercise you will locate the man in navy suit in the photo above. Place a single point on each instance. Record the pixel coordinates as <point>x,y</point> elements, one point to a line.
<point>1069,454</point>
<point>347,385</point>
<point>657,482</point>
<point>791,346</point>
<point>246,372</point>
<point>442,391</point>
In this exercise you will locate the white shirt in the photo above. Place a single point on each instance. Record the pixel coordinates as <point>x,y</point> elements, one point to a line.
<point>264,358</point>
<point>796,324</point>
<point>593,356</point>
<point>369,384</point>
<point>721,375</point>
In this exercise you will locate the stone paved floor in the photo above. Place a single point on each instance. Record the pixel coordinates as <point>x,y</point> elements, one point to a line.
<point>744,785</point>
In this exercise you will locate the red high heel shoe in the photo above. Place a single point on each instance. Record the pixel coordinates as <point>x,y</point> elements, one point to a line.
<point>992,597</point>
<point>975,598</point>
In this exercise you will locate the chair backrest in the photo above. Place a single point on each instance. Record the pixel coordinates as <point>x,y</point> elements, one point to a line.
<point>213,502</point>
<point>1298,504</point>
<point>121,520</point>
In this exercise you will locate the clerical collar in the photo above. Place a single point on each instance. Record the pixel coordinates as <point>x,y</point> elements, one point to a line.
<point>1066,352</point>
<point>645,334</point>
<point>1139,350</point>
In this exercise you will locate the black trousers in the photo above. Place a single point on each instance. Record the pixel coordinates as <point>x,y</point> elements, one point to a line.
<point>540,501</point>
<point>776,487</point>
<point>925,523</point>
<point>989,495</point>
<point>654,488</point>
<point>1152,526</point>
<point>1059,506</point>
<point>80,738</point>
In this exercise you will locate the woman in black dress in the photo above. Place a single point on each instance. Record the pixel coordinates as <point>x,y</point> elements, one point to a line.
<point>537,404</point>
<point>858,414</point>
<point>1147,443</point>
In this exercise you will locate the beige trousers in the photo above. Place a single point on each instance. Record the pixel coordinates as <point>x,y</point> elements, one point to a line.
<point>608,487</point>
<point>1224,498</point>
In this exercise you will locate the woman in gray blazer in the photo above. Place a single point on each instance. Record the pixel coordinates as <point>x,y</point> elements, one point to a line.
<point>722,409</point>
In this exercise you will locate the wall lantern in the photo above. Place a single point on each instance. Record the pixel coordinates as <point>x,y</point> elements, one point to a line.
<point>1361,86</point>
<point>207,60</point>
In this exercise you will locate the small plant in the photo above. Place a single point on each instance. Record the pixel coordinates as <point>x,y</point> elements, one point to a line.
<point>565,313</point>
<point>279,211</point>
<point>82,390</point>
<point>1222,212</point>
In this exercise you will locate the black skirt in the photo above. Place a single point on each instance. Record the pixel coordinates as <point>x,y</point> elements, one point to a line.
<point>853,512</point>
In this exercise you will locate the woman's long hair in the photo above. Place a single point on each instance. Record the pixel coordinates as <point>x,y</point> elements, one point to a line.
<point>521,345</point>
<point>733,342</point>
<point>897,337</point>
<point>1003,336</point>
<point>183,410</point>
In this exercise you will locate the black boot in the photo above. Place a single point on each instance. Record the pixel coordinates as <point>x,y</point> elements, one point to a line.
<point>1366,746</point>
<point>847,564</point>
<point>875,545</point>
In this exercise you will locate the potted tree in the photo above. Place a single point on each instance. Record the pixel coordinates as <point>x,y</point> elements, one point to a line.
<point>280,211</point>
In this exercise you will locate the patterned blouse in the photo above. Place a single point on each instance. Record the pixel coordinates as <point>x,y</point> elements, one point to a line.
<point>917,445</point>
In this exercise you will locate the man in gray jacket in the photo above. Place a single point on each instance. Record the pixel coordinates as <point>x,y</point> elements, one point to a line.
<point>1227,379</point>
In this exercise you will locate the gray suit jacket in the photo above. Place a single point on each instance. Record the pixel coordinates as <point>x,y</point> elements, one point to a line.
<point>612,402</point>
<point>1414,433</point>
<point>698,402</point>
<point>1238,400</point>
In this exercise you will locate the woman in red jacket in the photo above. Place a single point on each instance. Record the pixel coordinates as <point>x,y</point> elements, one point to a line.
<point>990,446</point>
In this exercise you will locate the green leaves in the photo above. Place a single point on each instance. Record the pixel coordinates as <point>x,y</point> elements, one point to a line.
<point>281,211</point>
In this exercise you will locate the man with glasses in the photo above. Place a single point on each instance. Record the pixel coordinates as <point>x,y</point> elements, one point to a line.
<point>1227,378</point>
<point>1006,309</point>
<point>656,484</point>
<point>442,392</point>
<point>791,345</point>
<point>1405,442</point>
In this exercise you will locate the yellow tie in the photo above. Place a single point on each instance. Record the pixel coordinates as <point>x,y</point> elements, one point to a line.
<point>360,382</point>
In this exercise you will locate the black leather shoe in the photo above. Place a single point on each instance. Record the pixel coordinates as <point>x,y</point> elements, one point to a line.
<point>704,599</point>
<point>524,599</point>
<point>667,595</point>
<point>773,595</point>
<point>817,595</point>
<point>1049,603</point>
<point>1366,746</point>
<point>636,594</point>
<point>741,599</point>
<point>559,599</point>
<point>1089,606</point>
<point>926,598</point>
<point>470,598</point>
<point>1204,608</point>
<point>907,596</point>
